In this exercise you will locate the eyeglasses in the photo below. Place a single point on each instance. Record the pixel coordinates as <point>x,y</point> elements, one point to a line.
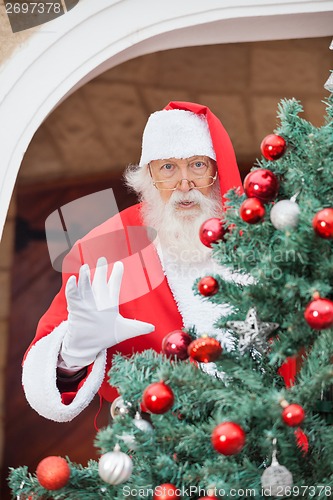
<point>169,171</point>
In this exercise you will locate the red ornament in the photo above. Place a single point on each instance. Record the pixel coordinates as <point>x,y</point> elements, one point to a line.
<point>302,440</point>
<point>211,231</point>
<point>319,314</point>
<point>262,184</point>
<point>205,349</point>
<point>53,473</point>
<point>158,397</point>
<point>143,408</point>
<point>252,210</point>
<point>293,415</point>
<point>273,147</point>
<point>166,491</point>
<point>323,223</point>
<point>208,286</point>
<point>228,438</point>
<point>175,345</point>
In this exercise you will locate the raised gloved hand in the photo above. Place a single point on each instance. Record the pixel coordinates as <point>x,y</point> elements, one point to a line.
<point>94,322</point>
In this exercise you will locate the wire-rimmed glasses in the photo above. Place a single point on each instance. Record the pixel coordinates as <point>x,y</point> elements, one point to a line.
<point>169,183</point>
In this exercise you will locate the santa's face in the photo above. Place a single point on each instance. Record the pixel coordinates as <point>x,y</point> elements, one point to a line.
<point>182,195</point>
<point>178,212</point>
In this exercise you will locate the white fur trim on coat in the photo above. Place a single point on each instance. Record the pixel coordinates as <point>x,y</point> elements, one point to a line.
<point>39,379</point>
<point>176,133</point>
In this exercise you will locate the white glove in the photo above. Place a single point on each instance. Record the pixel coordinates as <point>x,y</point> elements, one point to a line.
<point>94,322</point>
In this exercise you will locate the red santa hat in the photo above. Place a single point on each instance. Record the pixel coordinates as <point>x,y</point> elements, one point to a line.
<point>185,129</point>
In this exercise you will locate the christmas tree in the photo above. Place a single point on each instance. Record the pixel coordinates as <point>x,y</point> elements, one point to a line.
<point>252,429</point>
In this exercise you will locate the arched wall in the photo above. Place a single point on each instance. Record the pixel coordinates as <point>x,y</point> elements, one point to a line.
<point>69,51</point>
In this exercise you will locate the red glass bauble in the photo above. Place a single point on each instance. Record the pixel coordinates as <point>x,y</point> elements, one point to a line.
<point>143,408</point>
<point>293,415</point>
<point>228,438</point>
<point>53,473</point>
<point>262,184</point>
<point>273,147</point>
<point>158,397</point>
<point>166,491</point>
<point>205,349</point>
<point>252,210</point>
<point>211,231</point>
<point>208,286</point>
<point>319,314</point>
<point>175,344</point>
<point>302,440</point>
<point>323,223</point>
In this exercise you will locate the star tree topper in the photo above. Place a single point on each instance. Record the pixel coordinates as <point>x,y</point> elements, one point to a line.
<point>253,333</point>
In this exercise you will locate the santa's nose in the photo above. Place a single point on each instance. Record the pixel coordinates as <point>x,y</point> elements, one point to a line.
<point>185,185</point>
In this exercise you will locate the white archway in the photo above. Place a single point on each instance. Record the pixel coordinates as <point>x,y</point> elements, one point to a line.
<point>95,36</point>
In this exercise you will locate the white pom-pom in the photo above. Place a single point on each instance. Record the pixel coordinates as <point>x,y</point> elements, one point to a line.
<point>285,214</point>
<point>115,467</point>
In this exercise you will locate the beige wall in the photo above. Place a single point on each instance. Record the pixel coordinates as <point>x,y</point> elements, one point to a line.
<point>99,127</point>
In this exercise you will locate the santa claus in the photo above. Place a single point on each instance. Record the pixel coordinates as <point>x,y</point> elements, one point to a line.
<point>130,303</point>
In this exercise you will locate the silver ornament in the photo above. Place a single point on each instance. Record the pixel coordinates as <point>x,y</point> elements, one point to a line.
<point>129,440</point>
<point>119,407</point>
<point>115,467</point>
<point>285,214</point>
<point>142,424</point>
<point>253,333</point>
<point>277,480</point>
<point>329,83</point>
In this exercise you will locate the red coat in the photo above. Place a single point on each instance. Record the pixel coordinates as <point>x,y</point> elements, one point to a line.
<point>145,293</point>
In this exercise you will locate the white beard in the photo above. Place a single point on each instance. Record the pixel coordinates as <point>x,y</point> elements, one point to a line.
<point>183,257</point>
<point>178,228</point>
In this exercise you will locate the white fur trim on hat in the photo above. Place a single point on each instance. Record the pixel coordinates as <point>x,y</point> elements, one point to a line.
<point>40,379</point>
<point>176,133</point>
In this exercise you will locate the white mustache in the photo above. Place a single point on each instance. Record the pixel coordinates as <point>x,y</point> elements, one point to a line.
<point>178,196</point>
